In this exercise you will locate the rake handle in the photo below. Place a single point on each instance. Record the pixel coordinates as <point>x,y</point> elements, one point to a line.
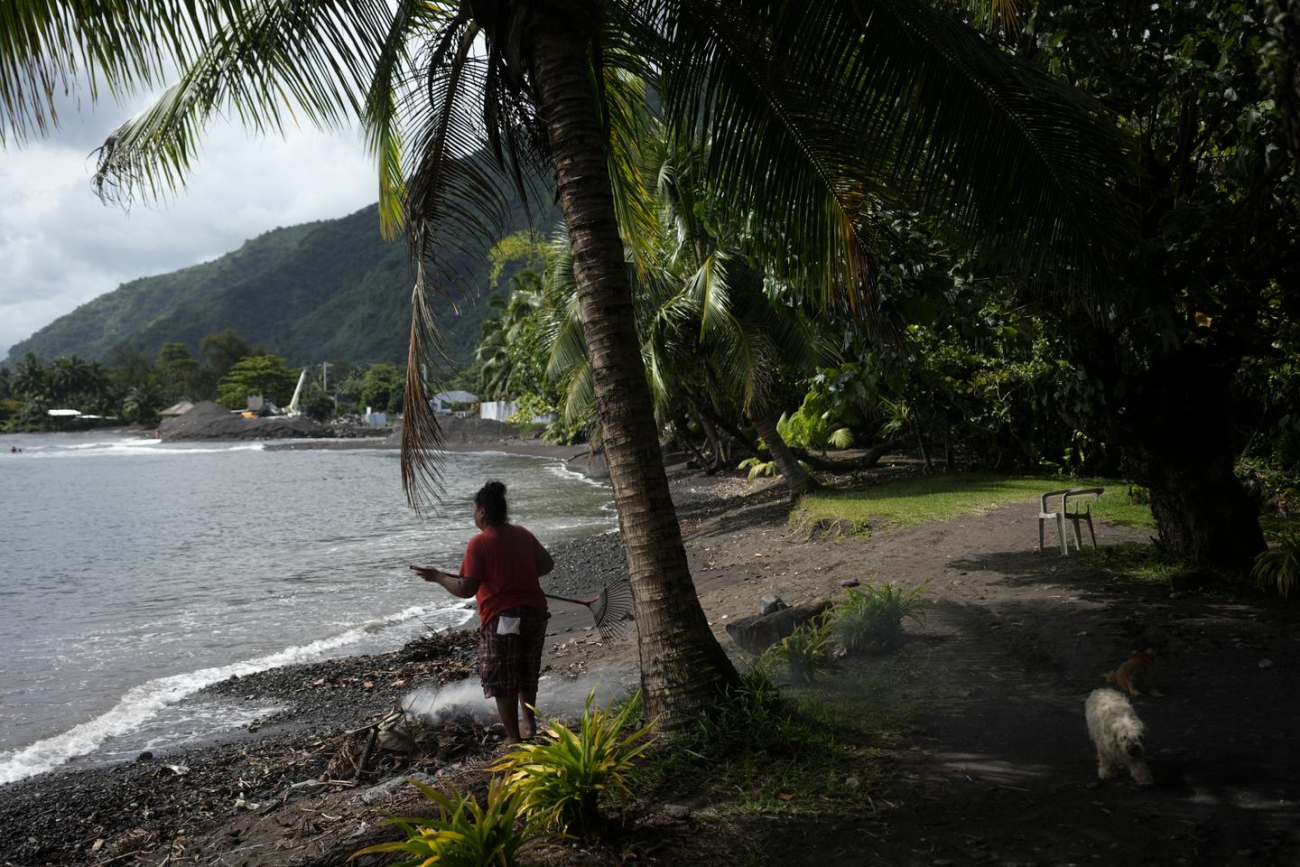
<point>587,602</point>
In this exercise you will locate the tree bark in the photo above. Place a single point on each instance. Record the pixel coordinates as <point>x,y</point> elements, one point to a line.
<point>1183,440</point>
<point>796,477</point>
<point>683,668</point>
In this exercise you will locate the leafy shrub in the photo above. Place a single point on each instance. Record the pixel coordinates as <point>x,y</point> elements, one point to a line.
<point>758,467</point>
<point>559,432</point>
<point>871,618</point>
<point>464,834</point>
<point>1279,568</point>
<point>813,426</point>
<point>751,716</point>
<point>804,651</point>
<point>528,407</point>
<point>562,779</point>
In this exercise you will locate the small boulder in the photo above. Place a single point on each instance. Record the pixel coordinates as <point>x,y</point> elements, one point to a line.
<point>850,582</point>
<point>771,604</point>
<point>756,634</point>
<point>678,811</point>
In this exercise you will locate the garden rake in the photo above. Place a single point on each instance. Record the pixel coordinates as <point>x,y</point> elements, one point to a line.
<point>611,607</point>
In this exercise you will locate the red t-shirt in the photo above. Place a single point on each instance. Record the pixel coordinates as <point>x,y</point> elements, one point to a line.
<point>504,560</point>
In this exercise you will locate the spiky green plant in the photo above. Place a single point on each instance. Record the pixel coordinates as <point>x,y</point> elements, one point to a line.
<point>871,618</point>
<point>804,651</point>
<point>464,833</point>
<point>1279,568</point>
<point>561,780</point>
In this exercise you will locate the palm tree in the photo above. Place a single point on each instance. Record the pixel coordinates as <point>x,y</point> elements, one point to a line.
<point>813,111</point>
<point>69,377</point>
<point>493,353</point>
<point>30,377</point>
<point>504,330</point>
<point>708,332</point>
<point>142,402</point>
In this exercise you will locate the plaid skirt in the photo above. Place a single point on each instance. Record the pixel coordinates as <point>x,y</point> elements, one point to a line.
<point>511,664</point>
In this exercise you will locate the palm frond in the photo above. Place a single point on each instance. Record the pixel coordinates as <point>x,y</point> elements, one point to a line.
<point>899,106</point>
<point>266,64</point>
<point>50,49</point>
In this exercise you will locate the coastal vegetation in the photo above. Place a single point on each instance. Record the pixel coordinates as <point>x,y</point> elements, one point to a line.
<point>1045,251</point>
<point>1035,262</point>
<point>133,387</point>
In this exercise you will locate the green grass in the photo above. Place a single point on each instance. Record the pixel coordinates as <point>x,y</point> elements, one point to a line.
<point>940,498</point>
<point>1126,562</point>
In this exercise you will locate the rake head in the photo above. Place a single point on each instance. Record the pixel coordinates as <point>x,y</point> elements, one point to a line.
<point>612,609</point>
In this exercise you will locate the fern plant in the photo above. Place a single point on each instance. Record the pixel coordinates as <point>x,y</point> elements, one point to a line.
<point>757,467</point>
<point>804,651</point>
<point>1279,568</point>
<point>562,779</point>
<point>464,833</point>
<point>871,618</point>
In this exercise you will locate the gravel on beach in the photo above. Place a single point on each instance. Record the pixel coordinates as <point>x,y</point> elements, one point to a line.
<point>57,817</point>
<point>84,816</point>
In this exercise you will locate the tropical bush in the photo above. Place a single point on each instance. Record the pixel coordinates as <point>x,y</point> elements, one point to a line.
<point>814,427</point>
<point>871,618</point>
<point>1279,568</point>
<point>561,780</point>
<point>804,652</point>
<point>752,716</point>
<point>464,833</point>
<point>527,407</point>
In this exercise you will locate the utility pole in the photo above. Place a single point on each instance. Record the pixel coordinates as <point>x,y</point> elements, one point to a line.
<point>325,377</point>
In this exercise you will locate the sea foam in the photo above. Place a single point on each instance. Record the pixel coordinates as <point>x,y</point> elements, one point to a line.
<point>143,702</point>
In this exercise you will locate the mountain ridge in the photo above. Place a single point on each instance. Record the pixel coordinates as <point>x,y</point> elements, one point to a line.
<point>323,290</point>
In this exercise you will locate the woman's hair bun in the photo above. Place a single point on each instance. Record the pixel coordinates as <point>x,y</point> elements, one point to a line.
<point>491,498</point>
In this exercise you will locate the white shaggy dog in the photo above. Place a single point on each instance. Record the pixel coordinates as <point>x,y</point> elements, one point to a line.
<point>1119,735</point>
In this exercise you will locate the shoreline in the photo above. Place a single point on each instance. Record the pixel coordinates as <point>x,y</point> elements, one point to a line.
<point>322,702</point>
<point>319,702</point>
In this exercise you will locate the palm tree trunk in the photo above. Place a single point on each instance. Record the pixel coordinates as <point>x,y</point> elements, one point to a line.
<point>683,668</point>
<point>796,477</point>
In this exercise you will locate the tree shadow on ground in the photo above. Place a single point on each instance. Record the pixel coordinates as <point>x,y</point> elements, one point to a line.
<point>1000,768</point>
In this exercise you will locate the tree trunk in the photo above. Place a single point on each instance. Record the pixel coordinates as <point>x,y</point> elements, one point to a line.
<point>683,668</point>
<point>1184,436</point>
<point>796,477</point>
<point>1204,514</point>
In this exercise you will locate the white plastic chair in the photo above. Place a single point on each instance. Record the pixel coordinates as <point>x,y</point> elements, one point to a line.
<point>1058,516</point>
<point>1076,517</point>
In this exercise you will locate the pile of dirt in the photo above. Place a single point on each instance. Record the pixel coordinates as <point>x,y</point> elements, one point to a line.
<point>210,421</point>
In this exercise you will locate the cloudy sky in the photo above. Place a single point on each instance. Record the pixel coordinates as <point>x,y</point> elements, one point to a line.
<point>62,247</point>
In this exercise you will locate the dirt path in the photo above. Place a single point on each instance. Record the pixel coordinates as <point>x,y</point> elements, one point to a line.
<point>1005,774</point>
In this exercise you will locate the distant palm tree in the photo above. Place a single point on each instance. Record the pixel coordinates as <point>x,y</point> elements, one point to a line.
<point>30,377</point>
<point>143,402</point>
<point>69,377</point>
<point>813,111</point>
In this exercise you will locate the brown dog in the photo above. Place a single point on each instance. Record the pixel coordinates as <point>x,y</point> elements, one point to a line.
<point>1137,675</point>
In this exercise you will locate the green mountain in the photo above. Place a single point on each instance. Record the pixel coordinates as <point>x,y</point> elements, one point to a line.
<point>333,289</point>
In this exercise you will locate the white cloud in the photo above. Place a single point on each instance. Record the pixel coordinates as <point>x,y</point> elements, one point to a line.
<point>62,247</point>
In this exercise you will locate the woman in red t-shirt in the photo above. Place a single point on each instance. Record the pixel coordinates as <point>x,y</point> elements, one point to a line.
<point>501,568</point>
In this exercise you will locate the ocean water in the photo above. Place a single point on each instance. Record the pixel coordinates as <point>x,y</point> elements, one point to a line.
<point>133,573</point>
